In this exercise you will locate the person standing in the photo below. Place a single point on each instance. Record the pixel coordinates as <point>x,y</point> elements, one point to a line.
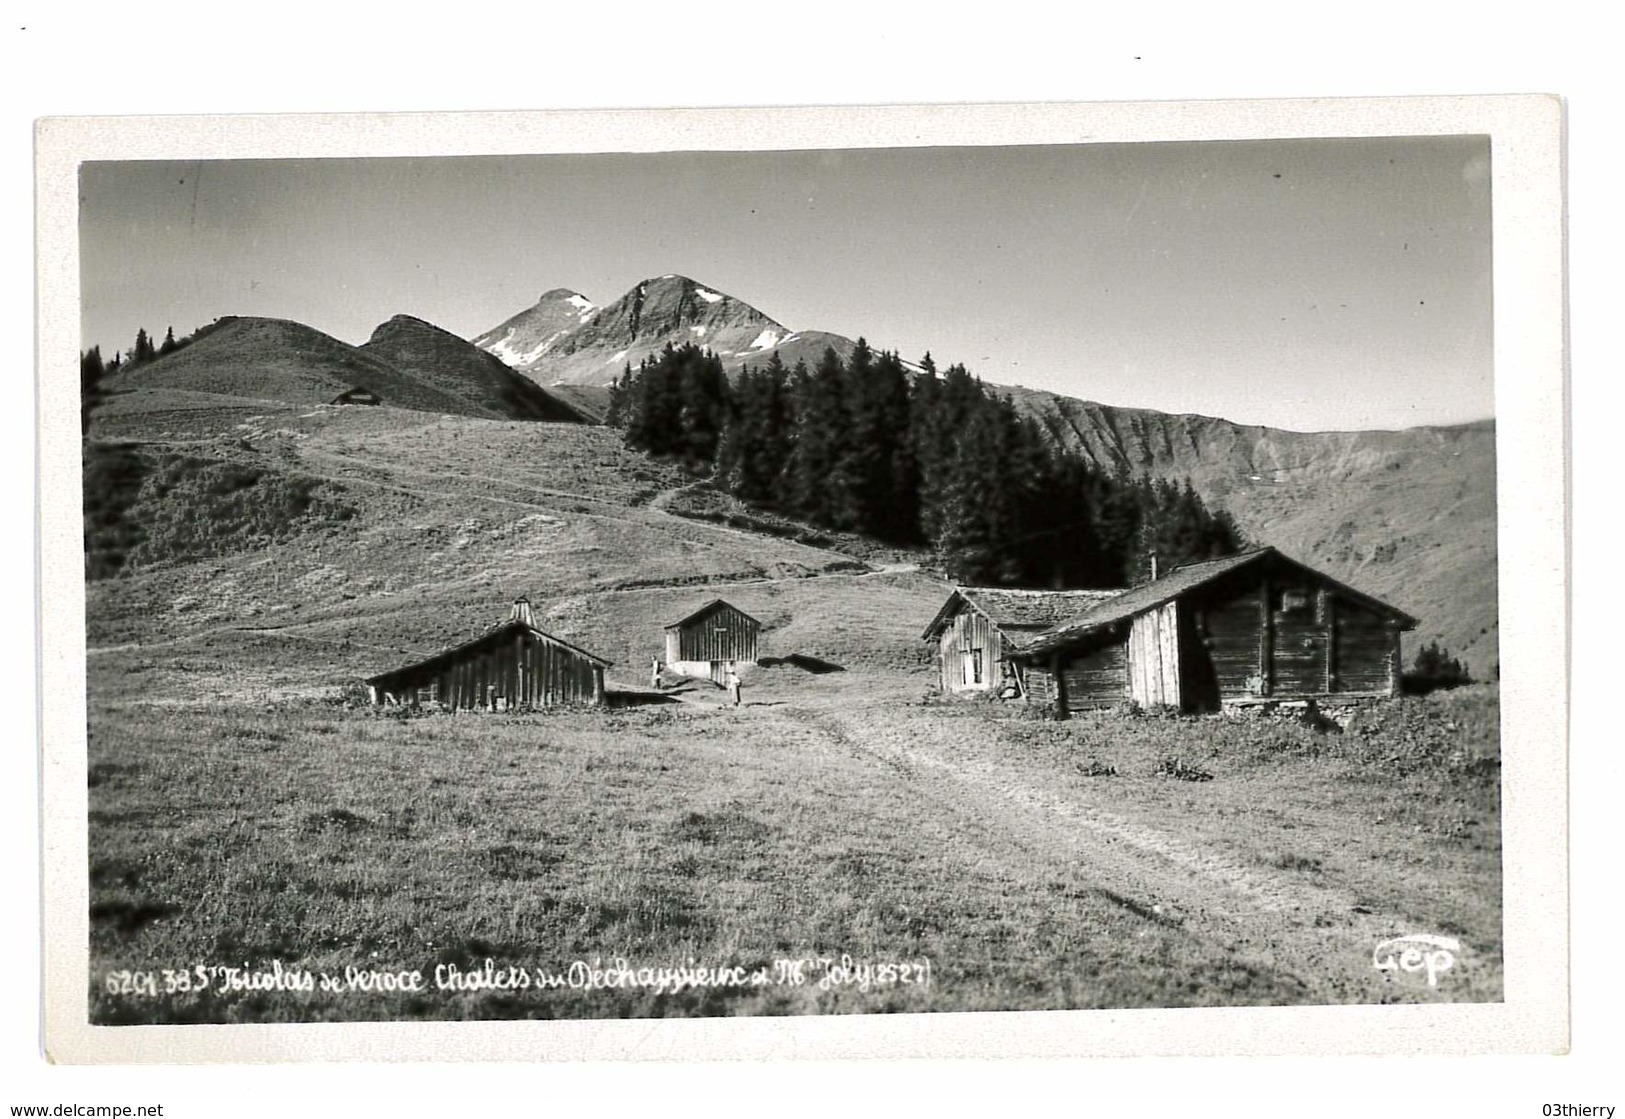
<point>734,687</point>
<point>654,673</point>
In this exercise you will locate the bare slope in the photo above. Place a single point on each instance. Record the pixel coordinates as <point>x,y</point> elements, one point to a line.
<point>1407,515</point>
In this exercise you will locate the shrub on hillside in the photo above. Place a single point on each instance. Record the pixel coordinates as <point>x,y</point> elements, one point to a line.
<point>188,508</point>
<point>1435,669</point>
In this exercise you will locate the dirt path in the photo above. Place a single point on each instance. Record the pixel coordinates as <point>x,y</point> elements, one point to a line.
<point>1276,922</point>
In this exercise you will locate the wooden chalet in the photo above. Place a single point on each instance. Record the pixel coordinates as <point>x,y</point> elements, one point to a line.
<point>512,665</point>
<point>712,639</point>
<point>1250,628</point>
<point>978,627</point>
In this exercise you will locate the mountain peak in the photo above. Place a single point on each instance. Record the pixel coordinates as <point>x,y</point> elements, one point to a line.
<point>565,295</point>
<point>678,283</point>
<point>591,347</point>
<point>402,320</point>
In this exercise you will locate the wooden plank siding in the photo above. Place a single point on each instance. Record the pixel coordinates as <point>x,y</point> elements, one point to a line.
<point>1310,640</point>
<point>1041,685</point>
<point>1095,677</point>
<point>722,633</point>
<point>969,654</point>
<point>1153,657</point>
<point>513,669</point>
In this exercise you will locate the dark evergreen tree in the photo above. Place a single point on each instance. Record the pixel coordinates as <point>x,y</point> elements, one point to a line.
<point>91,374</point>
<point>168,345</point>
<point>818,486</point>
<point>858,445</point>
<point>143,348</point>
<point>615,414</point>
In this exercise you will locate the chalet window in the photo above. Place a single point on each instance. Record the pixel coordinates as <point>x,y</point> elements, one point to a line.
<point>973,665</point>
<point>1294,601</point>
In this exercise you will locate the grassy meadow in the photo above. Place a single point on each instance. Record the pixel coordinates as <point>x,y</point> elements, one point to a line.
<point>1035,865</point>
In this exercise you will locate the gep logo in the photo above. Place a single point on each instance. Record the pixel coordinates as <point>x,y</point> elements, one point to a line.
<point>1418,952</point>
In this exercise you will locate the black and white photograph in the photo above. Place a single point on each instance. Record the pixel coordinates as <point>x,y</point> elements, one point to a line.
<point>873,579</point>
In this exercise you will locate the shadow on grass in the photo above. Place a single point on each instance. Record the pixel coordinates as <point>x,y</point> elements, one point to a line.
<point>814,665</point>
<point>638,699</point>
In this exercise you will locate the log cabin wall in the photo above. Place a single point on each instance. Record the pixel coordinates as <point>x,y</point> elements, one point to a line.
<point>971,649</point>
<point>1279,631</point>
<point>1300,636</point>
<point>1096,677</point>
<point>1364,649</point>
<point>1228,622</point>
<point>1259,626</point>
<point>1041,686</point>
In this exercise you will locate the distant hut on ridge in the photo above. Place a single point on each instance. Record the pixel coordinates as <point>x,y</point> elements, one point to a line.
<point>357,395</point>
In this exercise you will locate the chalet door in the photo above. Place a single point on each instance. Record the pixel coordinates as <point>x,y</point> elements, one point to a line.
<point>1299,646</point>
<point>975,662</point>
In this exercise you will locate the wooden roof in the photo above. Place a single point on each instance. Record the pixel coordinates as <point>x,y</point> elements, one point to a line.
<point>502,629</point>
<point>706,609</point>
<point>1016,609</point>
<point>1177,582</point>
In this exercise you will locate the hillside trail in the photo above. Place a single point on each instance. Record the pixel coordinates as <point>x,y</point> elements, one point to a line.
<point>664,498</point>
<point>1273,922</point>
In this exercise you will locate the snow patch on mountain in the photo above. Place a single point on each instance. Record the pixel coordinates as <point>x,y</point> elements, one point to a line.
<point>504,349</point>
<point>580,302</point>
<point>766,340</point>
<point>708,296</point>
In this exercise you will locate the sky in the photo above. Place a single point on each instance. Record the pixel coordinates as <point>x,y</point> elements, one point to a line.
<point>1328,284</point>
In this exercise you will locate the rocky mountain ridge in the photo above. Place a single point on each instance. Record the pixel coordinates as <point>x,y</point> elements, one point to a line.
<point>564,339</point>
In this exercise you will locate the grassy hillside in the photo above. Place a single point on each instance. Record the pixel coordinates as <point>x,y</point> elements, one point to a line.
<point>461,369</point>
<point>279,360</point>
<point>454,518</point>
<point>247,813</point>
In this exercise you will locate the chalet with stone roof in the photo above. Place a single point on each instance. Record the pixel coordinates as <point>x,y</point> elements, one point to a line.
<point>977,628</point>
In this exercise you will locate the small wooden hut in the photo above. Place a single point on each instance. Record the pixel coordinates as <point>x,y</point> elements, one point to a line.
<point>512,665</point>
<point>1251,628</point>
<point>357,395</point>
<point>978,627</point>
<point>707,642</point>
